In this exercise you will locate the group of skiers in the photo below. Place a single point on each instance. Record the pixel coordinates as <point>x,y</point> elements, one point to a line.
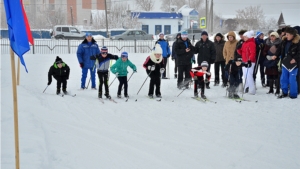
<point>278,57</point>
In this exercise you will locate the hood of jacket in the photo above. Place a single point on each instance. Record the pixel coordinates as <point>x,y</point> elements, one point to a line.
<point>154,59</point>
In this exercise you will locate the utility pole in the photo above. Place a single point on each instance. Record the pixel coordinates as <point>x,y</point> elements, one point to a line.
<point>107,34</point>
<point>206,12</point>
<point>72,22</point>
<point>211,16</point>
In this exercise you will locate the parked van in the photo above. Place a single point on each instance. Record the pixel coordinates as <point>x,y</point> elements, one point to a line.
<point>67,32</point>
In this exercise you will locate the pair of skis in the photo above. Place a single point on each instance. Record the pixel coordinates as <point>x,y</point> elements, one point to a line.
<point>203,100</point>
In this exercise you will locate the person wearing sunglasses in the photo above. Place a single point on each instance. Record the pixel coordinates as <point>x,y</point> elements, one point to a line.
<point>102,64</point>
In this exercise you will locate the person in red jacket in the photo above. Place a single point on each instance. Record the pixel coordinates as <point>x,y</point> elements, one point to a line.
<point>197,74</point>
<point>248,52</point>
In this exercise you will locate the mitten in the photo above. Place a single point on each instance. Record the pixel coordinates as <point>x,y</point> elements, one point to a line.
<point>49,83</point>
<point>153,68</point>
<point>208,73</point>
<point>162,70</point>
<point>194,61</point>
<point>149,67</point>
<point>81,65</point>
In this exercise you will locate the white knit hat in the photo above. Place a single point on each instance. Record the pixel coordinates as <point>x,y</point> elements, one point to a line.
<point>157,49</point>
<point>249,34</point>
<point>274,34</point>
<point>204,64</point>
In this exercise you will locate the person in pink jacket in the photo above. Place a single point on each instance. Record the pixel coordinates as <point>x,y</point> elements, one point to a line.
<point>248,52</point>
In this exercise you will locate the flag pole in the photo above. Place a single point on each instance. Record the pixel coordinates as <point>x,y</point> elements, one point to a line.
<point>18,75</point>
<point>15,100</point>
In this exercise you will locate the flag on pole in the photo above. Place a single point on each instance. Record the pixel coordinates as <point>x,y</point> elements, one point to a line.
<point>18,28</point>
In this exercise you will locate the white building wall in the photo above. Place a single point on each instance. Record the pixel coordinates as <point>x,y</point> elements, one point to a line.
<point>152,22</point>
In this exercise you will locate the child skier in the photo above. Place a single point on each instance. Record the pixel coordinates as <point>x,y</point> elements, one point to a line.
<point>102,65</point>
<point>233,69</point>
<point>197,74</point>
<point>120,69</point>
<point>154,67</point>
<point>60,71</point>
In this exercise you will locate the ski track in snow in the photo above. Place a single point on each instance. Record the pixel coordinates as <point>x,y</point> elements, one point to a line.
<point>176,132</point>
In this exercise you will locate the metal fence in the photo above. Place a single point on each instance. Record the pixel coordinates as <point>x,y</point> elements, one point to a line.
<point>48,46</point>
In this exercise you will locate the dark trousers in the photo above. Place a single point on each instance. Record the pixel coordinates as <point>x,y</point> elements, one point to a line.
<point>199,83</point>
<point>217,71</point>
<point>61,81</point>
<point>154,82</point>
<point>103,79</point>
<point>260,63</point>
<point>165,60</point>
<point>271,80</point>
<point>176,67</point>
<point>184,69</point>
<point>298,78</point>
<point>206,76</point>
<point>122,81</point>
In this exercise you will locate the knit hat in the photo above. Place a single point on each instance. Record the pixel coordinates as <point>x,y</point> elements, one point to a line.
<point>184,34</point>
<point>297,28</point>
<point>58,60</point>
<point>249,34</point>
<point>104,49</point>
<point>204,64</point>
<point>258,34</point>
<point>270,31</point>
<point>204,33</point>
<point>124,55</point>
<point>161,33</point>
<point>88,34</point>
<point>238,59</point>
<point>291,31</point>
<point>274,34</point>
<point>158,49</point>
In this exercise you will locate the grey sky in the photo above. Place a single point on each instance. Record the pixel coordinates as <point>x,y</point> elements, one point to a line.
<point>226,8</point>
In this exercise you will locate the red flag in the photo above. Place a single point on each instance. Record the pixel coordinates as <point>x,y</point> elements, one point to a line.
<point>29,35</point>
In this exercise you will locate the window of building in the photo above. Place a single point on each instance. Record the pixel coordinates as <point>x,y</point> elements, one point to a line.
<point>167,29</point>
<point>145,28</point>
<point>157,29</point>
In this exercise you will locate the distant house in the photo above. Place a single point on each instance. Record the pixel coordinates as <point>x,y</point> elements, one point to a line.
<point>167,22</point>
<point>289,17</point>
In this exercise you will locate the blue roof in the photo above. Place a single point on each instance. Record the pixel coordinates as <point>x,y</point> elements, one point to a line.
<point>156,15</point>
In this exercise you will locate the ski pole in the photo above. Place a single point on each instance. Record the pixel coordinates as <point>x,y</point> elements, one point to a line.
<point>45,88</point>
<point>128,79</point>
<point>88,84</point>
<point>246,76</point>
<point>143,83</point>
<point>112,81</point>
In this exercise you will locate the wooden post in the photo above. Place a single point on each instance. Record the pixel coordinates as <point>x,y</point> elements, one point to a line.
<point>18,75</point>
<point>15,100</point>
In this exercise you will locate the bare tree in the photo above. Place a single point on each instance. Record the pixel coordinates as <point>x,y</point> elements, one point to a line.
<point>117,18</point>
<point>252,17</point>
<point>271,24</point>
<point>146,5</point>
<point>166,4</point>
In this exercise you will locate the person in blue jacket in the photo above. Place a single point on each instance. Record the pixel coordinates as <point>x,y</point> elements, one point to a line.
<point>85,50</point>
<point>166,51</point>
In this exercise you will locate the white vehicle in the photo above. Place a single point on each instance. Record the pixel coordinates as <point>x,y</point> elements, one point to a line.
<point>67,32</point>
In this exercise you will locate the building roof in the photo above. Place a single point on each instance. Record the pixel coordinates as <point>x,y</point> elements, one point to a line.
<point>289,17</point>
<point>185,10</point>
<point>156,15</point>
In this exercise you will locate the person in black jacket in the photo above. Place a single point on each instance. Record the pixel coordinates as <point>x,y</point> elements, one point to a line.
<point>154,66</point>
<point>220,61</point>
<point>290,62</point>
<point>185,52</point>
<point>174,56</point>
<point>233,70</point>
<point>260,45</point>
<point>206,51</point>
<point>102,65</point>
<point>60,71</point>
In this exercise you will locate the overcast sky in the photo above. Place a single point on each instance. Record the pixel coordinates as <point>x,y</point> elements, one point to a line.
<point>225,8</point>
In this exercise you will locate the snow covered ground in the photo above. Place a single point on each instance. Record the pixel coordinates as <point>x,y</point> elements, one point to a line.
<point>178,132</point>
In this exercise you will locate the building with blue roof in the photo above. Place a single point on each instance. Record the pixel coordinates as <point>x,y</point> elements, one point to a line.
<point>167,22</point>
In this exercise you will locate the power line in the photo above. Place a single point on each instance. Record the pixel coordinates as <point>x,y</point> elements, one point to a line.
<point>259,3</point>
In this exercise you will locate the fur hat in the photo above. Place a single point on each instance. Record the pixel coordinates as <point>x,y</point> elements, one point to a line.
<point>291,31</point>
<point>219,34</point>
<point>58,60</point>
<point>204,64</point>
<point>157,49</point>
<point>274,34</point>
<point>124,55</point>
<point>249,34</point>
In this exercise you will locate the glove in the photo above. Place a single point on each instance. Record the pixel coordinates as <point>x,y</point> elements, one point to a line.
<point>194,61</point>
<point>168,55</point>
<point>162,70</point>
<point>206,81</point>
<point>249,63</point>
<point>208,73</point>
<point>152,68</point>
<point>93,57</point>
<point>134,71</point>
<point>81,65</point>
<point>49,83</point>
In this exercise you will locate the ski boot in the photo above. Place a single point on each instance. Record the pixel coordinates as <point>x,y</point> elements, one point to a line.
<point>282,96</point>
<point>100,95</point>
<point>107,96</point>
<point>126,95</point>
<point>158,96</point>
<point>175,76</point>
<point>236,96</point>
<point>230,95</point>
<point>119,96</point>
<point>57,91</point>
<point>65,91</point>
<point>203,96</point>
<point>196,95</point>
<point>150,96</point>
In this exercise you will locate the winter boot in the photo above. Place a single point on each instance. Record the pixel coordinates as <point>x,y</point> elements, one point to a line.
<point>195,94</point>
<point>230,95</point>
<point>207,86</point>
<point>126,95</point>
<point>158,96</point>
<point>57,91</point>
<point>263,82</point>
<point>175,76</point>
<point>107,95</point>
<point>100,95</point>
<point>119,96</point>
<point>65,91</point>
<point>271,84</point>
<point>150,96</point>
<point>236,96</point>
<point>216,83</point>
<point>203,96</point>
<point>282,96</point>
